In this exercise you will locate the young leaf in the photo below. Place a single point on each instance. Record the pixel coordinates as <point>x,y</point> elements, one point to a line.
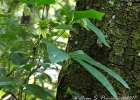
<point>97,31</point>
<point>83,23</point>
<point>99,76</point>
<point>55,54</point>
<point>6,81</point>
<point>18,58</point>
<point>69,91</point>
<point>88,14</point>
<point>37,91</point>
<point>81,55</point>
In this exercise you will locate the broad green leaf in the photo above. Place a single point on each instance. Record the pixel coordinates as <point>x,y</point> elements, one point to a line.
<point>64,11</point>
<point>18,58</point>
<point>10,36</point>
<point>9,87</point>
<point>37,91</point>
<point>38,2</point>
<point>97,31</point>
<point>88,14</point>
<point>55,54</point>
<point>65,26</point>
<point>99,76</point>
<point>6,81</point>
<point>81,55</point>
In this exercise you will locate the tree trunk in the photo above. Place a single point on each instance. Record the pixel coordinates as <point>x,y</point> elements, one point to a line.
<point>122,28</point>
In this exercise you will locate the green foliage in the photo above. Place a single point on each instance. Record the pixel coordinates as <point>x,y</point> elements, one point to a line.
<point>38,2</point>
<point>28,52</point>
<point>55,54</point>
<point>2,36</point>
<point>18,58</point>
<point>88,14</point>
<point>37,91</point>
<point>6,81</point>
<point>81,57</point>
<point>65,26</point>
<point>84,57</point>
<point>97,31</point>
<point>64,11</point>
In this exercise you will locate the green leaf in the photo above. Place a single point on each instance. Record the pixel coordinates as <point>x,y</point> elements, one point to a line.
<point>2,71</point>
<point>88,14</point>
<point>45,65</point>
<point>99,76</point>
<point>97,31</point>
<point>37,91</point>
<point>44,76</point>
<point>81,55</point>
<point>69,91</point>
<point>27,1</point>
<point>65,26</point>
<point>9,87</point>
<point>53,24</point>
<point>10,36</point>
<point>18,58</point>
<point>38,2</point>
<point>63,65</point>
<point>49,93</point>
<point>64,35</point>
<point>55,54</point>
<point>28,67</point>
<point>64,11</point>
<point>76,93</point>
<point>6,81</point>
<point>83,23</point>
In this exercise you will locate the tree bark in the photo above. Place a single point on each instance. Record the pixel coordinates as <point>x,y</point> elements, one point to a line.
<point>122,28</point>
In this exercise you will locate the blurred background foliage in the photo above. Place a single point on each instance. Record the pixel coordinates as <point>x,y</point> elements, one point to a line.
<point>18,32</point>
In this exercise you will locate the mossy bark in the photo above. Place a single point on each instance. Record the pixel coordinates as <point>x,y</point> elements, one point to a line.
<point>121,24</point>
